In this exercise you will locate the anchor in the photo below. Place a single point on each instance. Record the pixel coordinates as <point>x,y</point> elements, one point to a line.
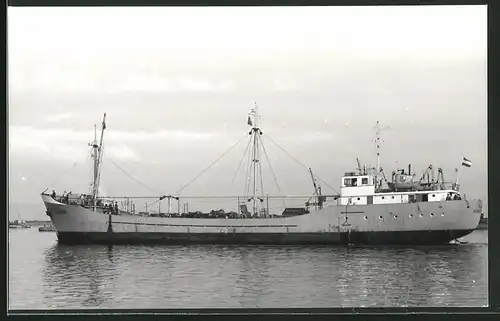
<point>346,223</point>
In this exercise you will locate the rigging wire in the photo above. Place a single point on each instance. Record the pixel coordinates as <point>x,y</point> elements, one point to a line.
<point>66,171</point>
<point>272,172</point>
<point>206,169</point>
<point>247,177</point>
<point>241,161</point>
<point>305,167</point>
<point>260,172</point>
<point>136,180</point>
<point>101,156</point>
<point>152,203</point>
<point>306,196</point>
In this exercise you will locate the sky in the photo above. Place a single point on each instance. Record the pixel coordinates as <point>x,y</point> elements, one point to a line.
<point>177,85</point>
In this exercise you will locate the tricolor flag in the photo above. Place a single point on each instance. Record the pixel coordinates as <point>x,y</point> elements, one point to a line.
<point>249,121</point>
<point>466,162</point>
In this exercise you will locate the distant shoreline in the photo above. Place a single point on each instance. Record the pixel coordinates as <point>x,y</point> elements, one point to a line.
<point>37,222</point>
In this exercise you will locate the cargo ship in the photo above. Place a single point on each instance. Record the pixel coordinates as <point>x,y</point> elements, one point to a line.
<point>369,210</point>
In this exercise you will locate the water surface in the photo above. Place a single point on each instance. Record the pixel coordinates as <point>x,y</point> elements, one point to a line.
<point>45,275</point>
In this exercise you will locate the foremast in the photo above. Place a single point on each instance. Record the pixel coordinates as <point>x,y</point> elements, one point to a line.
<point>97,156</point>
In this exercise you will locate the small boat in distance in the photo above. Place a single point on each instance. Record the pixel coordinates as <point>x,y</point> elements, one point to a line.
<point>47,228</point>
<point>19,224</point>
<point>483,223</point>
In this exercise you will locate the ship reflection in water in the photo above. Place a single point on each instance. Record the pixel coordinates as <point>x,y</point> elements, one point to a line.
<point>263,276</point>
<point>81,276</point>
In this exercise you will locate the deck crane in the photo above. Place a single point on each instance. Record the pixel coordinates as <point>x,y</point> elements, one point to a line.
<point>359,166</point>
<point>440,178</point>
<point>431,181</point>
<point>317,193</point>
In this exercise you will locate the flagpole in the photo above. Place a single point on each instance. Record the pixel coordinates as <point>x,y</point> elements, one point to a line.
<point>465,162</point>
<point>459,168</point>
<point>458,177</point>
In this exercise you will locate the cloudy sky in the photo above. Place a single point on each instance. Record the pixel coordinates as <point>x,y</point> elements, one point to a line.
<point>177,84</point>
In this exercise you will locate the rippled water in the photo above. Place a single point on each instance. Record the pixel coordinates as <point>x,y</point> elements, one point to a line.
<point>45,275</point>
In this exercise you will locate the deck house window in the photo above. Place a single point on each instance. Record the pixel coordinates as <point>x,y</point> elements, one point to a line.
<point>349,182</point>
<point>364,180</point>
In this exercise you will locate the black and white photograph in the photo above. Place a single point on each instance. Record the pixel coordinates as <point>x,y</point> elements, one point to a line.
<point>247,157</point>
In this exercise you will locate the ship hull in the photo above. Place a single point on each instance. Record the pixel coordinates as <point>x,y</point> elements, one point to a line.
<point>345,238</point>
<point>389,224</point>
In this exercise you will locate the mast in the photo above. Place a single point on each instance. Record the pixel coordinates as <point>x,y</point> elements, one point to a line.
<point>255,166</point>
<point>377,141</point>
<point>378,130</point>
<point>97,155</point>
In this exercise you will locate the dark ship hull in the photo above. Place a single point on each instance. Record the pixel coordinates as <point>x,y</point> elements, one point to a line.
<point>332,238</point>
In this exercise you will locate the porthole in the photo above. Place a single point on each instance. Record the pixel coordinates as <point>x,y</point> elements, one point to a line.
<point>359,198</point>
<point>433,195</point>
<point>393,197</point>
<point>421,215</point>
<point>366,217</point>
<point>380,217</point>
<point>442,214</point>
<point>383,197</point>
<point>432,214</point>
<point>395,216</point>
<point>411,215</point>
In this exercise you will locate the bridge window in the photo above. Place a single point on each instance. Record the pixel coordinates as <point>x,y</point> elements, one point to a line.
<point>349,182</point>
<point>364,180</point>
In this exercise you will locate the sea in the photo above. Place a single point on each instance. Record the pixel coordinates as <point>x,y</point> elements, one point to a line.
<point>45,275</point>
